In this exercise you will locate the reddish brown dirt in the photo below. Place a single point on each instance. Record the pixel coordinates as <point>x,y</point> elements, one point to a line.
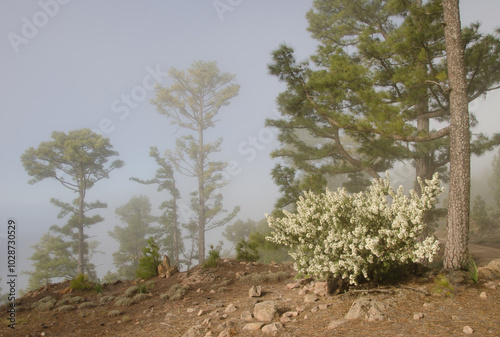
<point>443,315</point>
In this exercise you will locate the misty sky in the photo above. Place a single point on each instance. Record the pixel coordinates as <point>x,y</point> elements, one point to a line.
<point>67,65</point>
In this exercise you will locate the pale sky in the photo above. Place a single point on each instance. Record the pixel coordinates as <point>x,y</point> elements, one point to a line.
<point>77,64</point>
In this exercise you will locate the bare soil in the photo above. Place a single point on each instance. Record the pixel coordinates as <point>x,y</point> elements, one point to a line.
<point>212,290</point>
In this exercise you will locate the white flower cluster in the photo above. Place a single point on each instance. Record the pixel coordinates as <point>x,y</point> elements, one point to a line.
<point>349,235</point>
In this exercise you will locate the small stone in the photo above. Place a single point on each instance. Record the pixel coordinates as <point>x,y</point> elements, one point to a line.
<point>336,323</point>
<point>301,308</point>
<point>292,285</point>
<point>468,330</point>
<point>190,310</point>
<point>291,314</point>
<point>428,305</point>
<point>418,316</point>
<point>455,318</point>
<point>272,328</point>
<point>483,295</point>
<point>320,288</point>
<point>255,291</point>
<point>253,326</point>
<point>310,298</point>
<point>314,310</point>
<point>247,316</point>
<point>323,306</point>
<point>203,312</point>
<point>230,308</point>
<point>225,333</point>
<point>285,319</point>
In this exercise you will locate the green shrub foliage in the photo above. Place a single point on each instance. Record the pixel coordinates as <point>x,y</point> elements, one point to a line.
<point>148,263</point>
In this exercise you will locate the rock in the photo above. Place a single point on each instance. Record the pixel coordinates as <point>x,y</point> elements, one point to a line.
<point>253,326</point>
<point>272,328</point>
<point>225,333</point>
<point>310,298</point>
<point>195,331</point>
<point>468,330</point>
<point>290,314</point>
<point>203,312</point>
<point>293,285</point>
<point>285,319</point>
<point>255,291</point>
<point>336,323</point>
<point>483,295</point>
<point>304,281</point>
<point>418,316</point>
<point>366,308</point>
<point>456,318</point>
<point>491,271</point>
<point>230,308</point>
<point>323,306</point>
<point>165,269</point>
<point>265,311</point>
<point>456,276</point>
<point>247,316</point>
<point>320,288</point>
<point>301,308</point>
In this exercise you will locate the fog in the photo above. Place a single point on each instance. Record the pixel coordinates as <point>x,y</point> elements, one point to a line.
<point>68,65</point>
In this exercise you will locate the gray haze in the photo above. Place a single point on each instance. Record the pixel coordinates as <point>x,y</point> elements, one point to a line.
<point>68,65</point>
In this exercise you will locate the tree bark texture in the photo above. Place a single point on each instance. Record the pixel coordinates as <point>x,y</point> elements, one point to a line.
<point>456,251</point>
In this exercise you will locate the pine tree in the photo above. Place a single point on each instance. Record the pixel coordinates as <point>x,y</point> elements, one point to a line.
<point>170,236</point>
<point>192,103</point>
<point>370,92</point>
<point>77,160</point>
<point>137,215</point>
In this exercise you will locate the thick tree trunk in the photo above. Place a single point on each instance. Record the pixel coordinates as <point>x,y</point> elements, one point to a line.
<point>456,251</point>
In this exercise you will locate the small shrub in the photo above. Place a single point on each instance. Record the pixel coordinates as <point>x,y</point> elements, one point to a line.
<point>146,287</point>
<point>114,313</point>
<point>81,282</point>
<point>86,305</point>
<point>107,299</point>
<point>131,291</point>
<point>66,308</point>
<point>139,298</point>
<point>148,263</point>
<point>247,251</point>
<point>76,300</point>
<point>98,287</point>
<point>213,257</point>
<point>123,302</point>
<point>46,304</point>
<point>258,279</point>
<point>472,271</point>
<point>176,292</point>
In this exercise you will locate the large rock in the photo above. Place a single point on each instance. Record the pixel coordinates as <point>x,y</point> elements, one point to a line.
<point>165,269</point>
<point>491,271</point>
<point>265,311</point>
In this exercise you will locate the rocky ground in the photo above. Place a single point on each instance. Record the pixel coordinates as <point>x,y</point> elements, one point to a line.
<point>245,299</point>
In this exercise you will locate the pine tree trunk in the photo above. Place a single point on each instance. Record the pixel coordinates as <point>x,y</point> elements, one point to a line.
<point>81,262</point>
<point>201,198</point>
<point>456,251</point>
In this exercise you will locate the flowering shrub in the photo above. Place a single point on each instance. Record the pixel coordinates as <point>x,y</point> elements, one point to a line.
<point>352,235</point>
